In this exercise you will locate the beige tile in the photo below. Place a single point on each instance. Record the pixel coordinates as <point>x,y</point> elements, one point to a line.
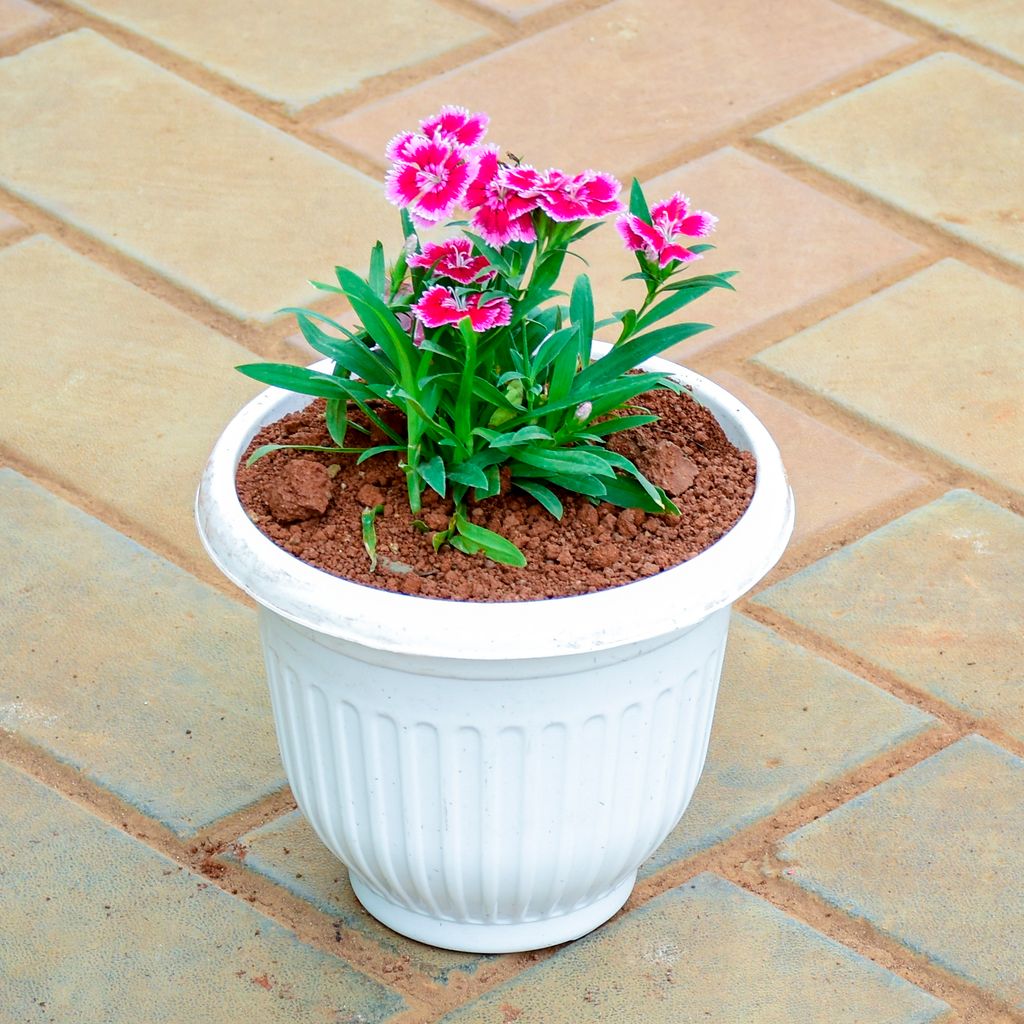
<point>941,139</point>
<point>790,243</point>
<point>295,54</point>
<point>933,859</point>
<point>995,24</point>
<point>288,852</point>
<point>834,477</point>
<point>706,951</point>
<point>110,390</point>
<point>17,16</point>
<point>635,80</point>
<point>100,928</point>
<point>937,358</point>
<point>786,722</point>
<point>936,597</point>
<point>194,188</point>
<point>517,9</point>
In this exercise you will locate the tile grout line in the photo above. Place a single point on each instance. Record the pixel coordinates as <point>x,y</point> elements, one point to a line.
<point>963,721</point>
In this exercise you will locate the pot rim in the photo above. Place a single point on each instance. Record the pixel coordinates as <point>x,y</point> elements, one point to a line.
<point>654,607</point>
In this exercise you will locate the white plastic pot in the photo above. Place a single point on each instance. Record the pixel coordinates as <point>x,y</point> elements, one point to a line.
<point>493,775</point>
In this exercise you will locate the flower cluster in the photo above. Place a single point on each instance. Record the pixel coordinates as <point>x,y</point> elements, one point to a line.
<point>468,340</point>
<point>445,165</point>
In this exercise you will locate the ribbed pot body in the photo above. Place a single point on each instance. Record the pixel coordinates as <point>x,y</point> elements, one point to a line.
<point>475,797</point>
<point>493,774</point>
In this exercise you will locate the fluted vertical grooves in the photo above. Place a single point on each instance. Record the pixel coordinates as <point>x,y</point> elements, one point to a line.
<point>468,816</point>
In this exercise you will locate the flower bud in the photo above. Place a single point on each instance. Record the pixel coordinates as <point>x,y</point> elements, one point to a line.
<point>583,411</point>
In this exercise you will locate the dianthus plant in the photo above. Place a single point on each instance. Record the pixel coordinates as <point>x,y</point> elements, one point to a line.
<point>471,341</point>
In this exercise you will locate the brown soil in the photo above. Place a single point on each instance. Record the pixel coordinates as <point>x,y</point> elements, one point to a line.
<point>591,548</point>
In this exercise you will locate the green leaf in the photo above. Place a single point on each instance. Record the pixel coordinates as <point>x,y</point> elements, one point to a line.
<point>294,378</point>
<point>565,461</point>
<point>543,494</point>
<point>581,312</point>
<point>433,473</point>
<point>470,474</point>
<point>266,449</point>
<point>492,544</point>
<point>678,299</point>
<point>591,486</point>
<point>638,203</point>
<point>521,436</point>
<point>626,492</point>
<point>617,423</point>
<point>493,484</point>
<point>380,323</point>
<point>494,257</point>
<point>367,519</point>
<point>325,288</point>
<point>368,453</point>
<point>336,417</point>
<point>377,277</point>
<point>624,358</point>
<point>552,347</point>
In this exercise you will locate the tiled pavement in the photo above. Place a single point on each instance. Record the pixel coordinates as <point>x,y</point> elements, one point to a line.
<point>170,174</point>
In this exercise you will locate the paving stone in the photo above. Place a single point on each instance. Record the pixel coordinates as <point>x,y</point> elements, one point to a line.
<point>100,928</point>
<point>18,16</point>
<point>9,223</point>
<point>892,138</point>
<point>952,381</point>
<point>994,24</point>
<point>198,190</point>
<point>517,9</point>
<point>705,951</point>
<point>790,243</point>
<point>125,396</point>
<point>850,481</point>
<point>595,91</point>
<point>288,852</point>
<point>786,721</point>
<point>936,597</point>
<point>121,664</point>
<point>932,858</point>
<point>328,47</point>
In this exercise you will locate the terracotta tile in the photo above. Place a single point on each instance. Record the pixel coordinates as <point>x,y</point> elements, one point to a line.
<point>295,55</point>
<point>790,243</point>
<point>940,139</point>
<point>194,188</point>
<point>632,82</point>
<point>936,358</point>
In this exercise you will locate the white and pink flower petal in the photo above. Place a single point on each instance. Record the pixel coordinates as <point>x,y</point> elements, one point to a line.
<point>456,124</point>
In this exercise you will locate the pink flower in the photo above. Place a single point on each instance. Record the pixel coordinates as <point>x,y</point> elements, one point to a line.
<point>397,149</point>
<point>590,194</point>
<point>431,178</point>
<point>439,306</point>
<point>454,259</point>
<point>501,212</point>
<point>456,125</point>
<point>669,218</point>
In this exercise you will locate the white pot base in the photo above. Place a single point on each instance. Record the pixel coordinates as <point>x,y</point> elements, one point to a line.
<point>492,938</point>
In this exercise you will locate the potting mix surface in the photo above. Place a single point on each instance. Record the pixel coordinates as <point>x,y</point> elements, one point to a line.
<point>172,174</point>
<point>311,503</point>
